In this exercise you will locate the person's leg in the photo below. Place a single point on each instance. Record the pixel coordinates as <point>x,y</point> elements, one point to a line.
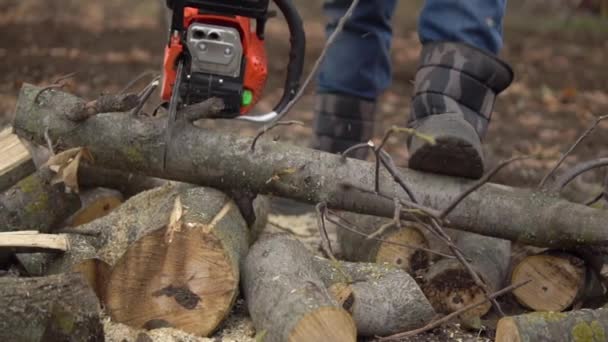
<point>355,71</point>
<point>456,84</point>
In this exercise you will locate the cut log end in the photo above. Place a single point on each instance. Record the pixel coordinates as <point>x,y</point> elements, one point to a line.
<point>408,259</point>
<point>325,324</point>
<point>556,280</point>
<point>394,246</point>
<point>451,288</point>
<point>171,282</point>
<point>96,203</point>
<point>507,331</point>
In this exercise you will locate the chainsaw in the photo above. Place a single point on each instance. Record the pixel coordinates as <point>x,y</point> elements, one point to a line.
<point>216,49</point>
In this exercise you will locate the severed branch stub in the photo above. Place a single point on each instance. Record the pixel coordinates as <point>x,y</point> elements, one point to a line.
<point>202,110</point>
<point>104,104</point>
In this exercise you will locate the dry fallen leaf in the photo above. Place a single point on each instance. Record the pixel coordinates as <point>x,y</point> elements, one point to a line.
<point>65,165</point>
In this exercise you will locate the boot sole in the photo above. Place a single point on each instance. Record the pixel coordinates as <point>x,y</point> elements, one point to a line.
<point>457,151</point>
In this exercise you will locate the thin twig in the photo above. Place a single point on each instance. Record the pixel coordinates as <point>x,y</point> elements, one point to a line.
<point>483,180</point>
<point>354,148</point>
<point>287,230</point>
<point>264,130</point>
<point>395,222</point>
<point>137,79</point>
<point>563,157</point>
<point>145,94</point>
<point>315,67</point>
<point>325,243</point>
<point>389,164</point>
<point>345,225</point>
<point>446,318</point>
<point>577,170</point>
<point>61,79</point>
<point>49,142</point>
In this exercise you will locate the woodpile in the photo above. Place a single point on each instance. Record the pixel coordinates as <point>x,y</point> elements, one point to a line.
<point>93,228</point>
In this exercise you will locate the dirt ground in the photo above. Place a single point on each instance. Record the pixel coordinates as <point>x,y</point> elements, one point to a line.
<point>558,56</point>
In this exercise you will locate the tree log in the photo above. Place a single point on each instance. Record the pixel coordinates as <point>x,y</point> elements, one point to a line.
<point>574,326</point>
<point>35,204</point>
<point>221,160</point>
<point>450,287</point>
<point>54,308</point>
<point>558,280</point>
<point>383,300</point>
<point>95,203</point>
<point>151,270</point>
<point>287,298</point>
<point>358,247</point>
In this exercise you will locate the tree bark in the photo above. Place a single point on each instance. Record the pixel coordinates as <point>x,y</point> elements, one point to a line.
<point>152,271</point>
<point>221,160</point>
<point>388,247</point>
<point>450,287</point>
<point>558,280</point>
<point>287,298</point>
<point>574,326</point>
<point>383,300</point>
<point>35,204</point>
<point>53,308</point>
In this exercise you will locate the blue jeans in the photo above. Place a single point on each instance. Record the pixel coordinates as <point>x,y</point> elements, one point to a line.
<point>358,63</point>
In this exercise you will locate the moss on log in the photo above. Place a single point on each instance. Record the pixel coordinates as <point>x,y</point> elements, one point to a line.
<point>34,204</point>
<point>574,326</point>
<point>54,308</point>
<point>221,160</point>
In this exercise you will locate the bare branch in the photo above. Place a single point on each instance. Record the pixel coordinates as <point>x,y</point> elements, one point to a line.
<point>563,157</point>
<point>344,224</point>
<point>483,180</point>
<point>321,209</point>
<point>577,170</point>
<point>266,129</point>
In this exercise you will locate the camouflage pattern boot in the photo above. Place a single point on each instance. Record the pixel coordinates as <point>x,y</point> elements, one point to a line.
<point>454,93</point>
<point>342,121</point>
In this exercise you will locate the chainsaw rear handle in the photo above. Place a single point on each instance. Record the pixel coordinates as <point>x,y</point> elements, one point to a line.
<point>258,10</point>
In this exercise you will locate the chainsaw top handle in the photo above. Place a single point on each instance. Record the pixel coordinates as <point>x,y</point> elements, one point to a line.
<point>258,10</point>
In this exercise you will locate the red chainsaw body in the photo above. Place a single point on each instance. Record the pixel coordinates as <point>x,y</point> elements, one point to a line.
<point>256,67</point>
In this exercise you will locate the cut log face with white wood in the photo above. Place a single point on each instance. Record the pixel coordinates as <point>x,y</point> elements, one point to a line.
<point>53,308</point>
<point>391,250</point>
<point>450,287</point>
<point>557,281</point>
<point>15,161</point>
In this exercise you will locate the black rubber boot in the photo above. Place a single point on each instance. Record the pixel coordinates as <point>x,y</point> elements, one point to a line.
<point>454,93</point>
<point>341,121</point>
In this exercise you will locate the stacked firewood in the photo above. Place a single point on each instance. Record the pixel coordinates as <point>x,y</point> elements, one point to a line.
<point>80,232</point>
